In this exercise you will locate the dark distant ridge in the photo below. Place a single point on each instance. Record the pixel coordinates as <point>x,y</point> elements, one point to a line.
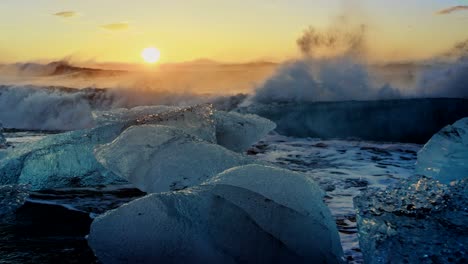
<point>61,68</point>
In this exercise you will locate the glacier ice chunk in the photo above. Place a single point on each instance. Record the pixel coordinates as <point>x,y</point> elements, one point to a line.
<point>238,132</point>
<point>195,120</point>
<point>445,156</point>
<point>67,160</point>
<point>60,161</point>
<point>222,223</point>
<point>291,190</point>
<point>124,114</point>
<point>418,220</point>
<point>232,130</point>
<point>160,158</point>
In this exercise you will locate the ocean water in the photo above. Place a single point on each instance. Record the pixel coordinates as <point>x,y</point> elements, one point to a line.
<point>342,168</point>
<point>52,225</point>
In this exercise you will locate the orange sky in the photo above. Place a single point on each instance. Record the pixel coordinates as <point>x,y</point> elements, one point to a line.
<point>234,31</point>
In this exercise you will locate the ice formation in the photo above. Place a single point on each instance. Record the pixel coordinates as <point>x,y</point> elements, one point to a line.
<point>244,215</point>
<point>160,158</point>
<point>62,160</point>
<point>231,130</point>
<point>11,198</point>
<point>302,196</point>
<point>445,156</point>
<point>419,220</point>
<point>124,114</point>
<point>238,132</point>
<point>67,160</point>
<point>195,120</point>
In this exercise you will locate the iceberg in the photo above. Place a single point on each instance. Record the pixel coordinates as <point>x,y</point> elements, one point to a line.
<point>60,161</point>
<point>124,114</point>
<point>238,132</point>
<point>159,158</point>
<point>231,130</point>
<point>243,215</point>
<point>419,220</point>
<point>309,217</point>
<point>445,156</point>
<point>195,120</point>
<point>67,160</point>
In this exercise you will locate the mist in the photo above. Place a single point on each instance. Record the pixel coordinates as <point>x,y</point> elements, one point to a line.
<point>335,67</point>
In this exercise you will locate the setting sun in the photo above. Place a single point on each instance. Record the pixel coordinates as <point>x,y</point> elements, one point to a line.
<point>151,55</point>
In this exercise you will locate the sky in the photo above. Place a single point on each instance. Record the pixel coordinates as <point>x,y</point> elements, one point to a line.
<point>222,30</point>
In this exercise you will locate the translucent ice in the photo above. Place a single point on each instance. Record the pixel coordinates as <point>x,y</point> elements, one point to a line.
<point>291,190</point>
<point>238,132</point>
<point>234,131</point>
<point>67,160</point>
<point>124,114</point>
<point>222,222</point>
<point>62,160</point>
<point>445,156</point>
<point>160,158</point>
<point>196,120</point>
<point>416,221</point>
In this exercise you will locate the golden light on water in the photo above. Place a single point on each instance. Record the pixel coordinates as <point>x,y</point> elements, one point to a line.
<point>151,55</point>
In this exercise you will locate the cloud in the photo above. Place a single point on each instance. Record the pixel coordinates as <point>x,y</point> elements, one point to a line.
<point>116,26</point>
<point>452,9</point>
<point>66,14</point>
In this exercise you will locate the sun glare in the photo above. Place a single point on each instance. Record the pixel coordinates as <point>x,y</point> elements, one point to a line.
<point>151,55</point>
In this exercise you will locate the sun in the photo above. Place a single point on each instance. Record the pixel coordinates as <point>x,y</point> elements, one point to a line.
<point>151,55</point>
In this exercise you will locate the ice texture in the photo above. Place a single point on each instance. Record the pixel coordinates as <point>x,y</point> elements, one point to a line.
<point>250,220</point>
<point>291,190</point>
<point>124,114</point>
<point>67,160</point>
<point>11,198</point>
<point>232,130</point>
<point>160,158</point>
<point>445,156</point>
<point>62,160</point>
<point>238,132</point>
<point>418,220</point>
<point>195,120</point>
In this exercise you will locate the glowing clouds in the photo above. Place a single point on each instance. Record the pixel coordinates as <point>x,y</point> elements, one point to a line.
<point>66,14</point>
<point>452,9</point>
<point>116,26</point>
